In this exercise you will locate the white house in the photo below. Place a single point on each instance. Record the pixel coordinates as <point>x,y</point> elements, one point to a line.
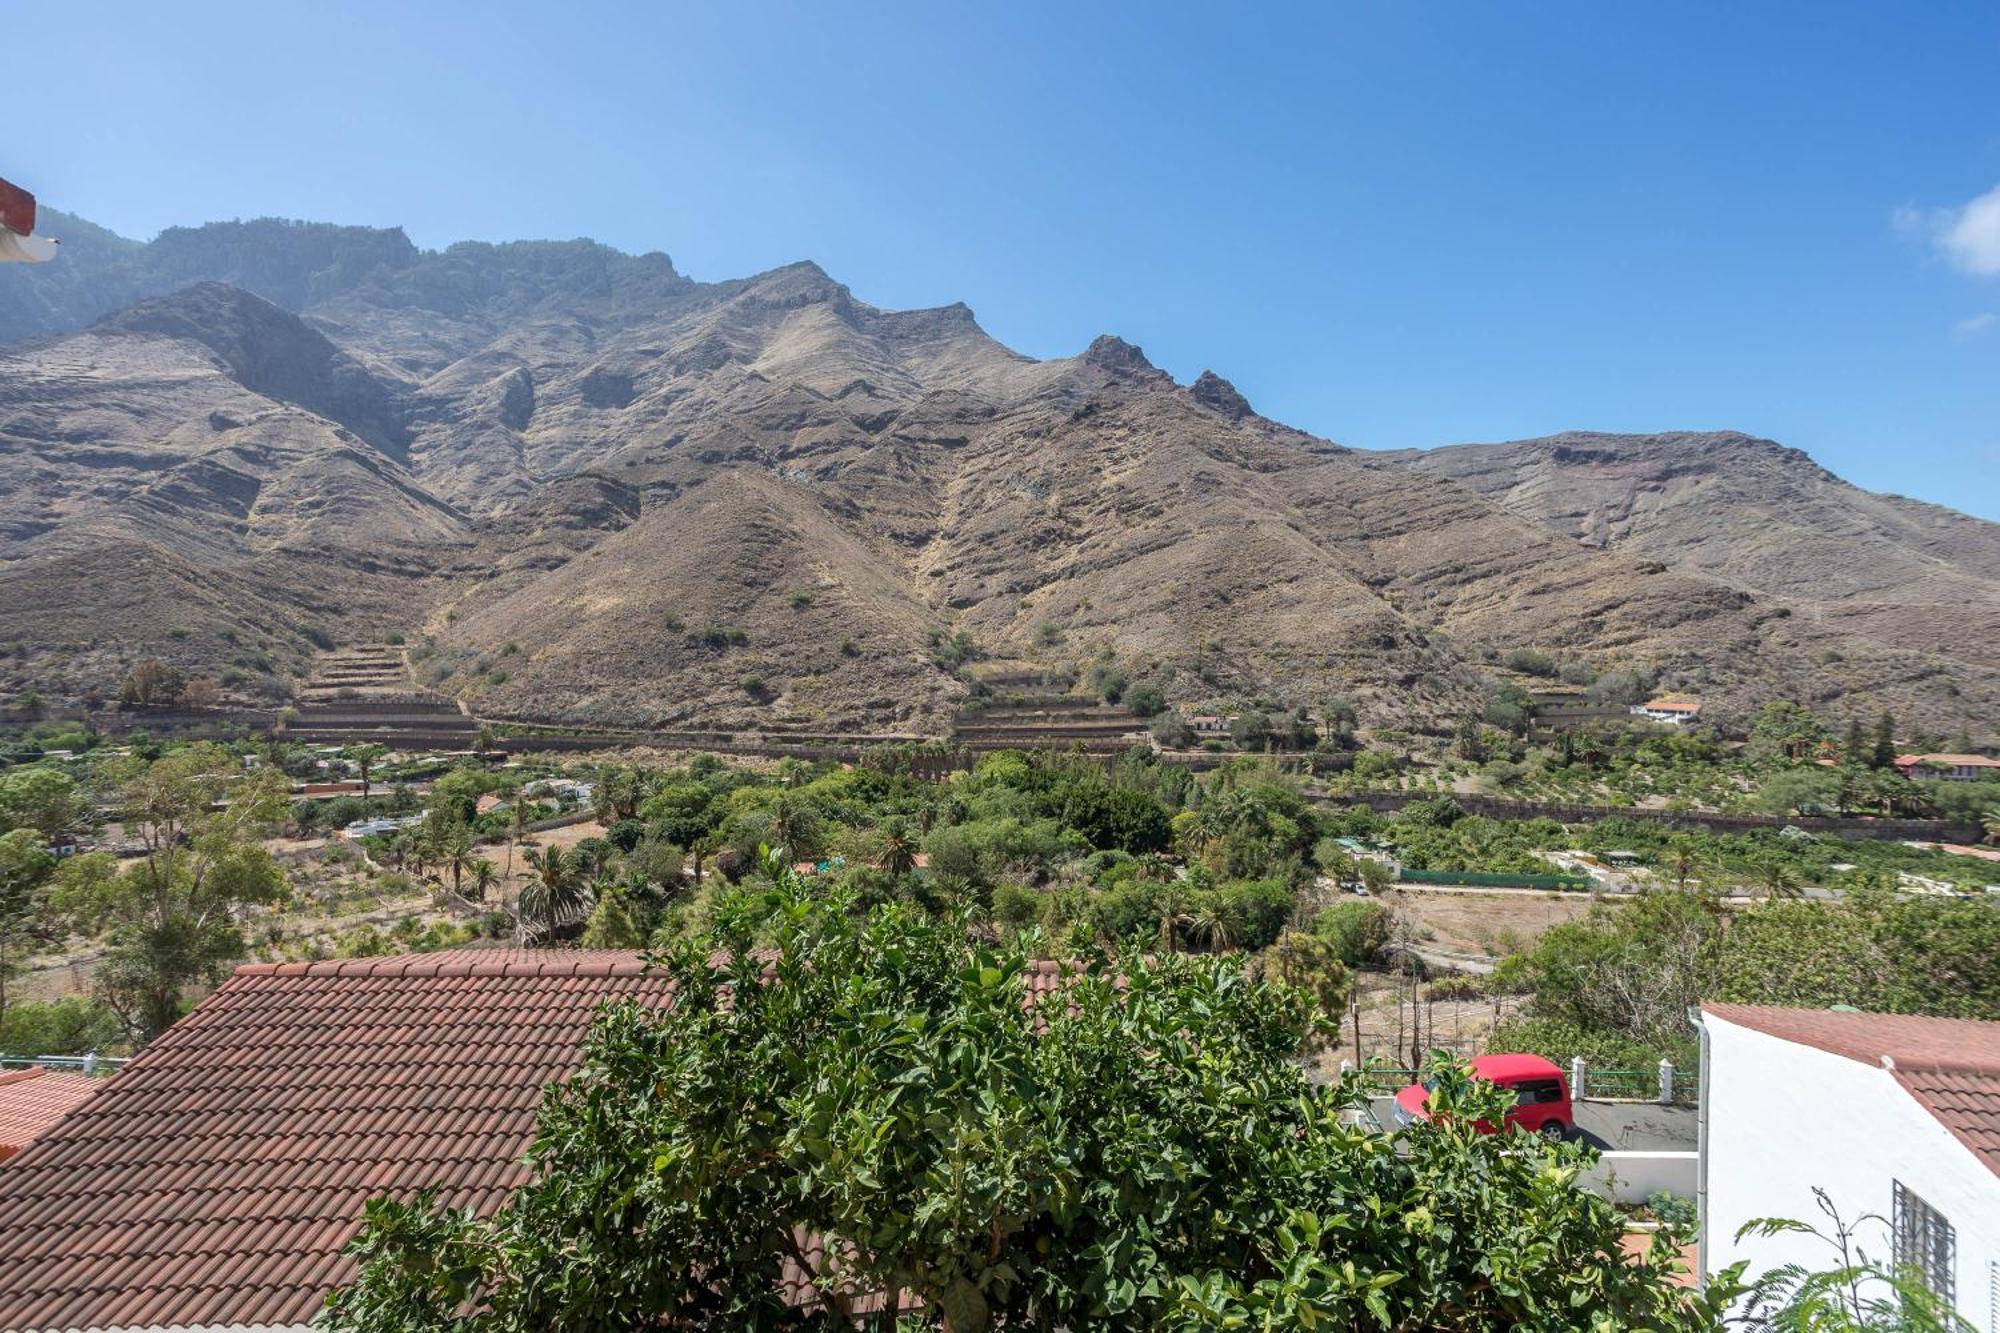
<point>1950,767</point>
<point>1674,709</point>
<point>1891,1115</point>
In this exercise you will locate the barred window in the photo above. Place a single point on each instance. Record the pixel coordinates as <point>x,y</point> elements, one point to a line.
<point>1925,1243</point>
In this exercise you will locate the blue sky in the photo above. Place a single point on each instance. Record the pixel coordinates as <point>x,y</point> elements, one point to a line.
<point>1391,224</point>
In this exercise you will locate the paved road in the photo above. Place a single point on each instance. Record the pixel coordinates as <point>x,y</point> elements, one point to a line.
<point>1616,1126</point>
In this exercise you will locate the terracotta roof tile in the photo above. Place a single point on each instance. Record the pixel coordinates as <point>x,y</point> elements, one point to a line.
<point>33,1100</point>
<point>217,1179</point>
<point>1951,1066</point>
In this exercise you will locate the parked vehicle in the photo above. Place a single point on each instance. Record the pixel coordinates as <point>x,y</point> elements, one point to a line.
<point>1541,1096</point>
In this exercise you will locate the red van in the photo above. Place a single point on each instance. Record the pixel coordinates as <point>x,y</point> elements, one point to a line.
<point>1541,1095</point>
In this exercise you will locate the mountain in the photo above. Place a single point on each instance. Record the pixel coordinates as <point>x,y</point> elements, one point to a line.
<point>603,491</point>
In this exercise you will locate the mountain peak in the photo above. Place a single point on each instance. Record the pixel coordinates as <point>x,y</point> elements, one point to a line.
<point>1218,394</point>
<point>1110,352</point>
<point>271,351</point>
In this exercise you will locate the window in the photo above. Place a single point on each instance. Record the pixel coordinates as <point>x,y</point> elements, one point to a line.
<point>1539,1093</point>
<point>1925,1243</point>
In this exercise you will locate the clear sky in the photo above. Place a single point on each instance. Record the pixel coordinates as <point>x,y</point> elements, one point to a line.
<point>1389,223</point>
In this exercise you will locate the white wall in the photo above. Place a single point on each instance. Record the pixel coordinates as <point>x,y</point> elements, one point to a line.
<point>1783,1118</point>
<point>1634,1177</point>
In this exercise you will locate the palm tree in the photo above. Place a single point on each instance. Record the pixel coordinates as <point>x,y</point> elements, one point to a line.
<point>1172,907</point>
<point>1777,879</point>
<point>454,850</point>
<point>483,875</point>
<point>365,758</point>
<point>557,890</point>
<point>1211,927</point>
<point>899,850</point>
<point>1682,857</point>
<point>794,826</point>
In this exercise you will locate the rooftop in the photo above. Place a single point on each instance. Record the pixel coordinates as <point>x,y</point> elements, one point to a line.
<point>216,1181</point>
<point>33,1100</point>
<point>1950,1065</point>
<point>1950,760</point>
<point>1673,703</point>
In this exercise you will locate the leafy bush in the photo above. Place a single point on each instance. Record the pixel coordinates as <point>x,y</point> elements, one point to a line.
<point>1145,700</point>
<point>1359,931</point>
<point>1529,662</point>
<point>1256,911</point>
<point>70,1026</point>
<point>1671,1208</point>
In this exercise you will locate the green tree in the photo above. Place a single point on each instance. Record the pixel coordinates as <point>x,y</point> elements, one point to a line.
<point>25,866</point>
<point>877,1103</point>
<point>612,924</point>
<point>365,757</point>
<point>557,891</point>
<point>44,799</point>
<point>1785,730</point>
<point>1883,754</point>
<point>171,915</point>
<point>899,848</point>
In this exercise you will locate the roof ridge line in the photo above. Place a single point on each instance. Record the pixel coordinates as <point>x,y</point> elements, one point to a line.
<point>459,963</point>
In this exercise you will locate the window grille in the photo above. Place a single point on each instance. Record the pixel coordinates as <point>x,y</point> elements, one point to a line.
<point>1925,1243</point>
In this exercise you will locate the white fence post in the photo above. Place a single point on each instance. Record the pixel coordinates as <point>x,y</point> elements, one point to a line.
<point>1576,1084</point>
<point>1666,1082</point>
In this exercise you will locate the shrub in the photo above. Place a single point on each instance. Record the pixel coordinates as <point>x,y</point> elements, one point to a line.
<point>1670,1208</point>
<point>799,601</point>
<point>1529,662</point>
<point>1016,906</point>
<point>1256,911</point>
<point>1146,700</point>
<point>1358,931</point>
<point>71,1026</point>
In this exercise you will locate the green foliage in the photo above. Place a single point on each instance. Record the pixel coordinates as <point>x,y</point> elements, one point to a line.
<point>1529,662</point>
<point>73,1025</point>
<point>1358,931</point>
<point>612,925</point>
<point>45,799</point>
<point>1857,1294</point>
<point>1254,910</point>
<point>1671,1208</point>
<point>1143,1152</point>
<point>1146,700</point>
<point>1627,973</point>
<point>1787,731</point>
<point>170,917</point>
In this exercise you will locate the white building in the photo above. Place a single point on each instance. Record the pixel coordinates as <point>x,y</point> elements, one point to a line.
<point>1891,1115</point>
<point>1949,767</point>
<point>1674,709</point>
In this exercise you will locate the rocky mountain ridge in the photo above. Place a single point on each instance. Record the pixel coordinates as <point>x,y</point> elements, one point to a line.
<point>599,490</point>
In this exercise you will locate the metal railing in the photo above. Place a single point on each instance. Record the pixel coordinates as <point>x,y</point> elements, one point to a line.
<point>92,1063</point>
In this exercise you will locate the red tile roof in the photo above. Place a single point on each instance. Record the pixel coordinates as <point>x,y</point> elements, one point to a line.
<point>1950,1065</point>
<point>33,1100</point>
<point>1950,760</point>
<point>216,1180</point>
